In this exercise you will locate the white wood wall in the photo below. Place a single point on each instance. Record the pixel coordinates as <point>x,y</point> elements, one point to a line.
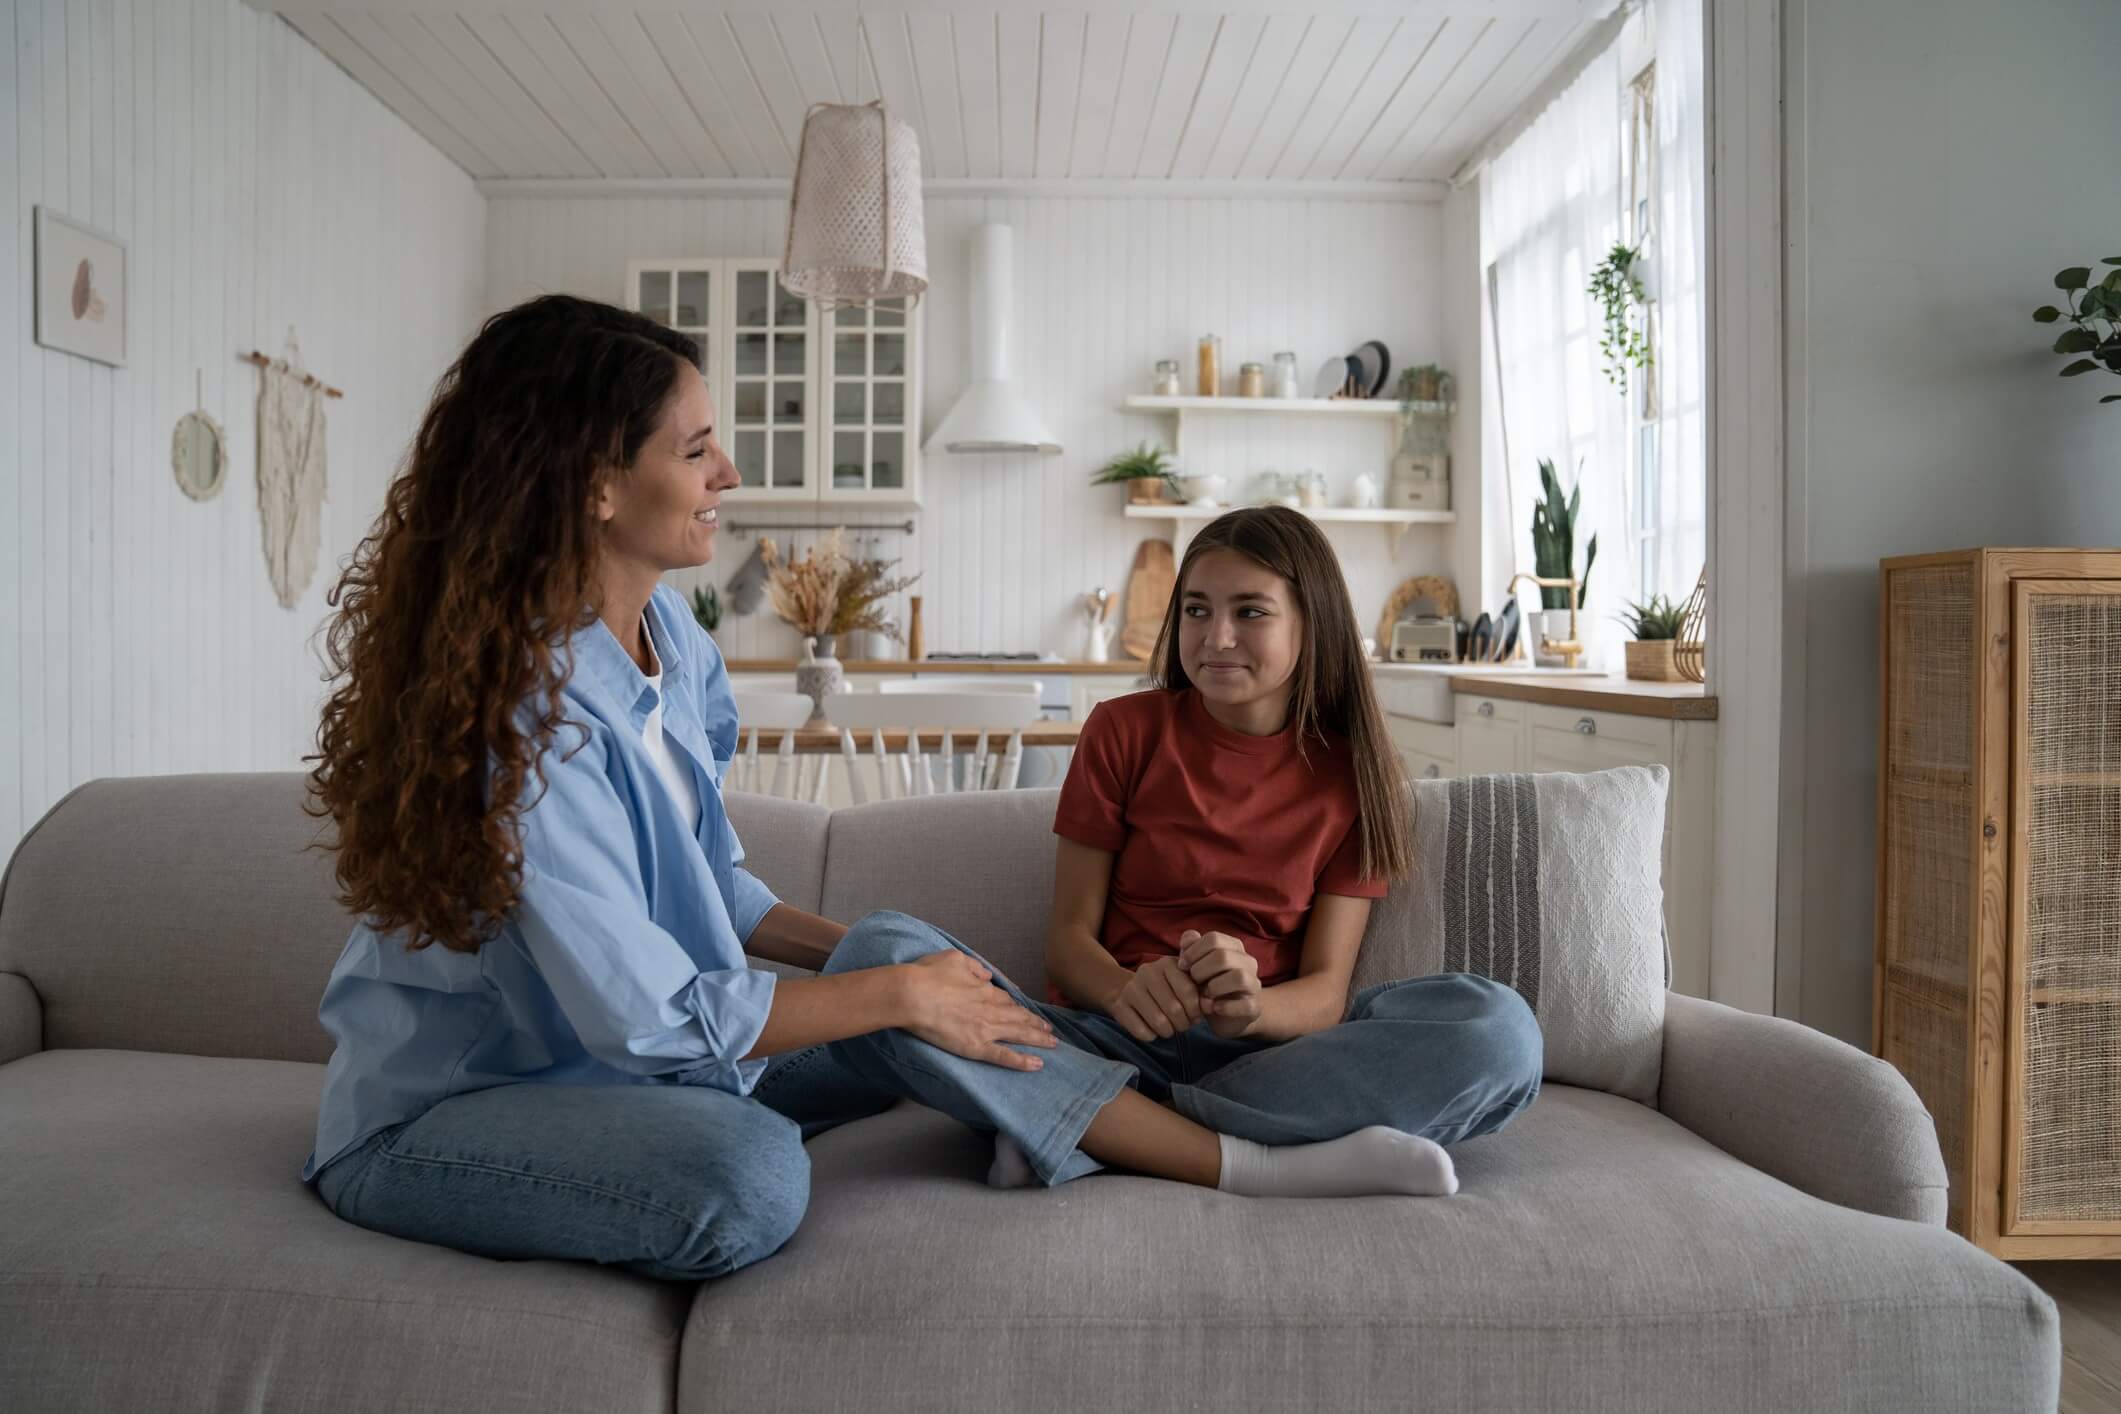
<point>1104,287</point>
<point>257,187</point>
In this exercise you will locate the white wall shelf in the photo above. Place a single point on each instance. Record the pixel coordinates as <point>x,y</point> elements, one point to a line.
<point>1186,519</point>
<point>1178,409</point>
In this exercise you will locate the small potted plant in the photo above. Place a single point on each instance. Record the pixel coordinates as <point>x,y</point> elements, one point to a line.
<point>1654,627</point>
<point>707,607</point>
<point>1147,472</point>
<point>2088,304</point>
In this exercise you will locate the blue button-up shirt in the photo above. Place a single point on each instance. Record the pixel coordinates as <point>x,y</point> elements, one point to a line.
<point>623,962</point>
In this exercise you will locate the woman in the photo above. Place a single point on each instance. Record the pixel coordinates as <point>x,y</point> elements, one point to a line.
<point>549,1043</point>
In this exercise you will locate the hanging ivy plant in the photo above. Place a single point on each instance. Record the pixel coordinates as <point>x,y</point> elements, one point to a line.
<point>1625,341</point>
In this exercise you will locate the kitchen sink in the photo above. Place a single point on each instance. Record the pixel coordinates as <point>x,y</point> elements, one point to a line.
<point>1423,690</point>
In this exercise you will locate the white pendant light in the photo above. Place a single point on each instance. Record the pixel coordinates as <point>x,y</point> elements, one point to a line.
<point>855,232</point>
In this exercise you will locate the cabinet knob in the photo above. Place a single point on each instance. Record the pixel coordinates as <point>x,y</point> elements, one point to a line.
<point>1586,726</point>
<point>1432,771</point>
<point>1486,709</point>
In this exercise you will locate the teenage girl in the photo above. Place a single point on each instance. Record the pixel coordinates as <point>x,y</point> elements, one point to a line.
<point>1222,838</point>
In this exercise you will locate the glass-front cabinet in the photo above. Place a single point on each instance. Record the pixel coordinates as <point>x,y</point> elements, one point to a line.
<point>814,405</point>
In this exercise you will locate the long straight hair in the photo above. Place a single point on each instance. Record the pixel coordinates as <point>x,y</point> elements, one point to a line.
<point>1332,689</point>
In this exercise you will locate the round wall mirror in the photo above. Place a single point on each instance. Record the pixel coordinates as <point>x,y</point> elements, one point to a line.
<point>199,455</point>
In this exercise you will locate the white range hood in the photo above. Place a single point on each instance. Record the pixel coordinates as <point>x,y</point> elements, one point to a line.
<point>991,415</point>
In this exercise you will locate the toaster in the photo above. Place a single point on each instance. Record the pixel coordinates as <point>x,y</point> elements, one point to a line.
<point>1424,640</point>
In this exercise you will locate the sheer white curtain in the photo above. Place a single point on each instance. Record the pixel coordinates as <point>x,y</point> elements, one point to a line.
<point>1677,509</point>
<point>1550,208</point>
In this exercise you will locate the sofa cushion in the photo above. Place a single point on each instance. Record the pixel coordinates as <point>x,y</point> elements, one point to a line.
<point>131,887</point>
<point>1550,883</point>
<point>158,1251</point>
<point>979,866</point>
<point>1599,1257</point>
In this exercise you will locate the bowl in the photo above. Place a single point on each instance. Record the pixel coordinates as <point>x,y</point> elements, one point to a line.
<point>1202,489</point>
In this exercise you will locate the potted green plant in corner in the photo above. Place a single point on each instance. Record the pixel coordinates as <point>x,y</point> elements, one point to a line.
<point>1147,472</point>
<point>1653,627</point>
<point>1554,556</point>
<point>2087,306</point>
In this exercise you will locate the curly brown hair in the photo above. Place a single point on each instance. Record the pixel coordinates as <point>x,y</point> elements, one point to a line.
<point>453,609</point>
<point>1332,689</point>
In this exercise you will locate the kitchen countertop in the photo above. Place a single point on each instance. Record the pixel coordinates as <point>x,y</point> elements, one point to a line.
<point>1679,701</point>
<point>1125,667</point>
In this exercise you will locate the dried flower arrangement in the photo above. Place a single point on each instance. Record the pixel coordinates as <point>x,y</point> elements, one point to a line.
<point>863,592</point>
<point>827,592</point>
<point>806,592</point>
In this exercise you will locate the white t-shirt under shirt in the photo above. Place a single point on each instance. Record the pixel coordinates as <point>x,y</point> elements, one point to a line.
<point>668,764</point>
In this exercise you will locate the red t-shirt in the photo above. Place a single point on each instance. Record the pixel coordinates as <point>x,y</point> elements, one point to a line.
<point>1214,829</point>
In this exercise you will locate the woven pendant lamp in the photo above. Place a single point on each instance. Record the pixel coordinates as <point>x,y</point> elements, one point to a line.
<point>855,232</point>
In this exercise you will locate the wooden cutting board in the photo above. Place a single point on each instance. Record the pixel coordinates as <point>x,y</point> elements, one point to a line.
<point>1149,587</point>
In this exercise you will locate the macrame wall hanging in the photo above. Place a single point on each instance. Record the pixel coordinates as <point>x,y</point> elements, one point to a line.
<point>291,480</point>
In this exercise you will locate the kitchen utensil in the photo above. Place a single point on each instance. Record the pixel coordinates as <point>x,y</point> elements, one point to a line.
<point>1149,587</point>
<point>1506,631</point>
<point>915,641</point>
<point>1483,639</point>
<point>1374,363</point>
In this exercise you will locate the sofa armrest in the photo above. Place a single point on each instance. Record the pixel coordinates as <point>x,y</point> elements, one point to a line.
<point>21,1018</point>
<point>1812,1111</point>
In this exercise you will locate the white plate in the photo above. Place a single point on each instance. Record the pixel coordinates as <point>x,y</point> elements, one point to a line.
<point>1332,377</point>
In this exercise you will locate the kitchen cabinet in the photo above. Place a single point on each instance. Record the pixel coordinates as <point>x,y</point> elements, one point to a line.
<point>1428,750</point>
<point>1490,736</point>
<point>815,407</point>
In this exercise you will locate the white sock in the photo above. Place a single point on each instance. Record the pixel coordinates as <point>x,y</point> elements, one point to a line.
<point>1010,1168</point>
<point>1373,1160</point>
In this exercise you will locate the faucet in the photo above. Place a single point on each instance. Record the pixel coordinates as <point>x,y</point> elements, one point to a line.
<point>1567,649</point>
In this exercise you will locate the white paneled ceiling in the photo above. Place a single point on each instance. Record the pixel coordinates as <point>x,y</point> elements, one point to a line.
<point>1218,90</point>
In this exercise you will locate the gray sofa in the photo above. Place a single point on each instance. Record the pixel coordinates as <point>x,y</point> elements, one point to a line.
<point>1767,1238</point>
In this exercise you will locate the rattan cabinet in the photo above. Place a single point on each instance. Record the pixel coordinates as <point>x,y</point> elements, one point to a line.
<point>1998,990</point>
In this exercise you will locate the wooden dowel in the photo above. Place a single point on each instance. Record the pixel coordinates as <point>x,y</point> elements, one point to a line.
<point>310,380</point>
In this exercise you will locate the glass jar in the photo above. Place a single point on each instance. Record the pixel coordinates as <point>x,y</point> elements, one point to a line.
<point>1251,380</point>
<point>1285,375</point>
<point>1167,384</point>
<point>1211,366</point>
<point>1311,489</point>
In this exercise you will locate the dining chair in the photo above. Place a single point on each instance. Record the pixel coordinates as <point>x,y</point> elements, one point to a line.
<point>794,776</point>
<point>909,771</point>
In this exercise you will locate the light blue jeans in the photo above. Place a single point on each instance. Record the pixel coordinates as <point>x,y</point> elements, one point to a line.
<point>1447,1057</point>
<point>679,1182</point>
<point>687,1183</point>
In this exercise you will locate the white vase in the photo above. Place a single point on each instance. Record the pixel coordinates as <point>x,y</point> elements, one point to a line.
<point>818,676</point>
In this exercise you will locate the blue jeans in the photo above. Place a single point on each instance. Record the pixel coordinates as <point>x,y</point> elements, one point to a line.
<point>1447,1057</point>
<point>672,1181</point>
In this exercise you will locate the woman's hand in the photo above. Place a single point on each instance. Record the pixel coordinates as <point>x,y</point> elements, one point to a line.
<point>1227,977</point>
<point>1158,1000</point>
<point>952,1003</point>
